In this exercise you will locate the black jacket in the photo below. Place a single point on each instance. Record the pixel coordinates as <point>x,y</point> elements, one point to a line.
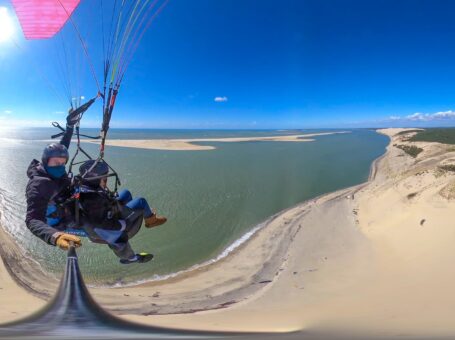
<point>99,209</point>
<point>42,190</point>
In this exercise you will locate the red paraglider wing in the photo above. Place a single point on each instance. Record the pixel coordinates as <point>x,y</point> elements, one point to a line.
<point>41,19</point>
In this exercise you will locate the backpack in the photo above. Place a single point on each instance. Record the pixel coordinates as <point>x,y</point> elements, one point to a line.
<point>99,206</point>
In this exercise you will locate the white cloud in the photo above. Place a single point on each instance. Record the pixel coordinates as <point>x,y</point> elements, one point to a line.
<point>415,116</point>
<point>220,99</point>
<point>425,117</point>
<point>445,114</point>
<point>7,112</point>
<point>442,115</point>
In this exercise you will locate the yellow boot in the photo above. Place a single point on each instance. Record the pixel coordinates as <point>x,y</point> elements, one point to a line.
<point>154,221</point>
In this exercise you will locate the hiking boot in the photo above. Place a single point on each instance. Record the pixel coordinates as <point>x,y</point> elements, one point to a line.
<point>154,221</point>
<point>138,258</point>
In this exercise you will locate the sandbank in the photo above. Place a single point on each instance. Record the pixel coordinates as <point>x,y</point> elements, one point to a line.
<point>188,144</point>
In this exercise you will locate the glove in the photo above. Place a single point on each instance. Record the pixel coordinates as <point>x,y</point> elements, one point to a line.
<point>72,118</point>
<point>63,241</point>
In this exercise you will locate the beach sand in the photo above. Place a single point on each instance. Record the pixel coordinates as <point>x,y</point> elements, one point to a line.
<point>188,144</point>
<point>372,260</point>
<point>21,285</point>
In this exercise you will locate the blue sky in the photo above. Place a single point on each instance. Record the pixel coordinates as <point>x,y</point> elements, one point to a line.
<point>257,64</point>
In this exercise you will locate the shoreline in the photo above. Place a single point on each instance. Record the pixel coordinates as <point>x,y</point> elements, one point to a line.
<point>233,247</point>
<point>264,268</point>
<point>27,281</point>
<point>264,272</point>
<point>194,268</point>
<point>15,266</point>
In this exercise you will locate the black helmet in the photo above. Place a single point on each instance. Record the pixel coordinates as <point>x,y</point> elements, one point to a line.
<point>99,169</point>
<point>54,150</point>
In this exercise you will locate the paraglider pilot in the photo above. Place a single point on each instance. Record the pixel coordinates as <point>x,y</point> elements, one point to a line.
<point>48,186</point>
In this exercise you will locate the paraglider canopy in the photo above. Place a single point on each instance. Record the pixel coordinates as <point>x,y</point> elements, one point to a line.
<point>41,19</point>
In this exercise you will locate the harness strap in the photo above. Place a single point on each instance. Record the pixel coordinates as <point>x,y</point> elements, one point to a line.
<point>77,180</point>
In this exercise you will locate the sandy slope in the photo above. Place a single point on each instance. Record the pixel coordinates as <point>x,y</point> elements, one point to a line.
<point>376,259</point>
<point>16,299</point>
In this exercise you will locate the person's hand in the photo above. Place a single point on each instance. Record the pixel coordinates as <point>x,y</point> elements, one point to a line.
<point>72,118</point>
<point>63,241</point>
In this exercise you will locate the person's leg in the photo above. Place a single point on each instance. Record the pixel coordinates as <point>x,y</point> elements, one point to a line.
<point>123,250</point>
<point>140,204</point>
<point>124,196</point>
<point>150,218</point>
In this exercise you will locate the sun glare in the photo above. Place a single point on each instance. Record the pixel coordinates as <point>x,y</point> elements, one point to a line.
<point>6,25</point>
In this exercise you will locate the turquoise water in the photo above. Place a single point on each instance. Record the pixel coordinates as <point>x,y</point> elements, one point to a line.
<point>211,198</point>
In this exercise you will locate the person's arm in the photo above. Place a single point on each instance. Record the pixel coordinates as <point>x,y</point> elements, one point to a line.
<point>66,138</point>
<point>36,213</point>
<point>84,107</point>
<point>72,119</point>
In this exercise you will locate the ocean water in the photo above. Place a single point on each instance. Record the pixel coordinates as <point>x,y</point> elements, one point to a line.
<point>214,199</point>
